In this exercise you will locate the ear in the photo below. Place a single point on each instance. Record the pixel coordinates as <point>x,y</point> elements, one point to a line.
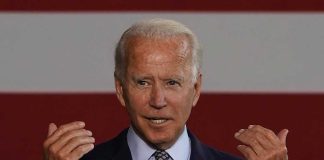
<point>119,91</point>
<point>197,88</point>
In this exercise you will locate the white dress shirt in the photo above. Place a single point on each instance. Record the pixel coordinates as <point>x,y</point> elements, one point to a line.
<point>180,150</point>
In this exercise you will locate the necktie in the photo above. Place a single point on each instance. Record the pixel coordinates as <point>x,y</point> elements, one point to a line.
<point>161,155</point>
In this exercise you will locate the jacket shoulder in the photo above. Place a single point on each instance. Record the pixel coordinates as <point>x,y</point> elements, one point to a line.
<point>110,150</point>
<point>200,151</point>
<point>214,154</point>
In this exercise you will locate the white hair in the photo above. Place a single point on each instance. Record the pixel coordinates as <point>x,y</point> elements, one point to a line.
<point>157,28</point>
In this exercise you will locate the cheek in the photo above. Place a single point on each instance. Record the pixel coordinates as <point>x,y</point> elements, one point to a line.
<point>186,111</point>
<point>136,101</point>
<point>183,97</point>
<point>182,104</point>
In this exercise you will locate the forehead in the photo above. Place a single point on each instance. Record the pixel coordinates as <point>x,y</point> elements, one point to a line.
<point>158,50</point>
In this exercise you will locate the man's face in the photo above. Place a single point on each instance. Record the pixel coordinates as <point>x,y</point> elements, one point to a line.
<point>158,92</point>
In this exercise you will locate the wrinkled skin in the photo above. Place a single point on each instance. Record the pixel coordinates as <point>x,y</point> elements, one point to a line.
<point>260,143</point>
<point>68,141</point>
<point>159,86</point>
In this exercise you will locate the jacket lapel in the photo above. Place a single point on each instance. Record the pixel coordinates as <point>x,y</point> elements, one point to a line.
<point>124,152</point>
<point>196,148</point>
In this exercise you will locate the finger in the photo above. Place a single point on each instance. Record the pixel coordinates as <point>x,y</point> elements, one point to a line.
<point>272,137</point>
<point>51,128</point>
<point>247,152</point>
<point>247,137</point>
<point>80,151</point>
<point>267,138</point>
<point>61,130</point>
<point>64,139</point>
<point>74,144</point>
<point>283,136</point>
<point>278,148</point>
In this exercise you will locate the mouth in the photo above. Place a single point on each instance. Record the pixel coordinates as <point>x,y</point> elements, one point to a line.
<point>157,120</point>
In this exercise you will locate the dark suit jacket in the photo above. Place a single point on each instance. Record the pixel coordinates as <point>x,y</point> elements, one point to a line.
<point>117,149</point>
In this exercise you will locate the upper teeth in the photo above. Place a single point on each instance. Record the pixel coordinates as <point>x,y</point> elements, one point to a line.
<point>158,121</point>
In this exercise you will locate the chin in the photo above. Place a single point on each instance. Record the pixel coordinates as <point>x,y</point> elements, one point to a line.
<point>161,140</point>
<point>158,136</point>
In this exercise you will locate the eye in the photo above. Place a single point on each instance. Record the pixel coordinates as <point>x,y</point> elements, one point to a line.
<point>142,83</point>
<point>173,82</point>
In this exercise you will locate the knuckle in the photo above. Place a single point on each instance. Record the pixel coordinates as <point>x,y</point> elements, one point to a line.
<point>269,133</point>
<point>79,151</point>
<point>82,149</point>
<point>62,128</point>
<point>76,140</point>
<point>264,131</point>
<point>258,135</point>
<point>283,149</point>
<point>52,149</point>
<point>257,127</point>
<point>59,131</point>
<point>60,156</point>
<point>78,131</point>
<point>254,142</point>
<point>75,133</point>
<point>83,131</point>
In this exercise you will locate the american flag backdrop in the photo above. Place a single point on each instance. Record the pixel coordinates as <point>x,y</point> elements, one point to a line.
<point>262,64</point>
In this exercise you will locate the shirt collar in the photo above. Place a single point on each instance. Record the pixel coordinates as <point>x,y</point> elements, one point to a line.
<point>142,151</point>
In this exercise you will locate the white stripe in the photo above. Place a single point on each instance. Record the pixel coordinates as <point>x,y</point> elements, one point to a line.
<point>242,52</point>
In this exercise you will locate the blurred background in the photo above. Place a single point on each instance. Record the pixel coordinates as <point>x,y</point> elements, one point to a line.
<point>262,64</point>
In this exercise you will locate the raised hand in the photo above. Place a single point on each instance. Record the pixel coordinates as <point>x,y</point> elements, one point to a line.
<point>69,141</point>
<point>260,143</point>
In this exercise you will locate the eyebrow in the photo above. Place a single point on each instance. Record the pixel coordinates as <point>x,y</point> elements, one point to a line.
<point>178,78</point>
<point>172,77</point>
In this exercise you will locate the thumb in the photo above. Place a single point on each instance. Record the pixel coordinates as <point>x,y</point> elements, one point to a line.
<point>51,129</point>
<point>282,135</point>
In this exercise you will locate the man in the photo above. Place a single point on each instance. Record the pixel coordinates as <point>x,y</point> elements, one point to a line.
<point>158,80</point>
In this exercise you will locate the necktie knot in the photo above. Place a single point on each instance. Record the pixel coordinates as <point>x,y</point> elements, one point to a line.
<point>161,155</point>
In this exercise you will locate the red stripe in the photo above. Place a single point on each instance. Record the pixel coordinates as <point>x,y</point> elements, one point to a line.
<point>162,5</point>
<point>24,119</point>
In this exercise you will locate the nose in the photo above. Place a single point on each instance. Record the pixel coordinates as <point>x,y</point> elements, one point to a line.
<point>157,99</point>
